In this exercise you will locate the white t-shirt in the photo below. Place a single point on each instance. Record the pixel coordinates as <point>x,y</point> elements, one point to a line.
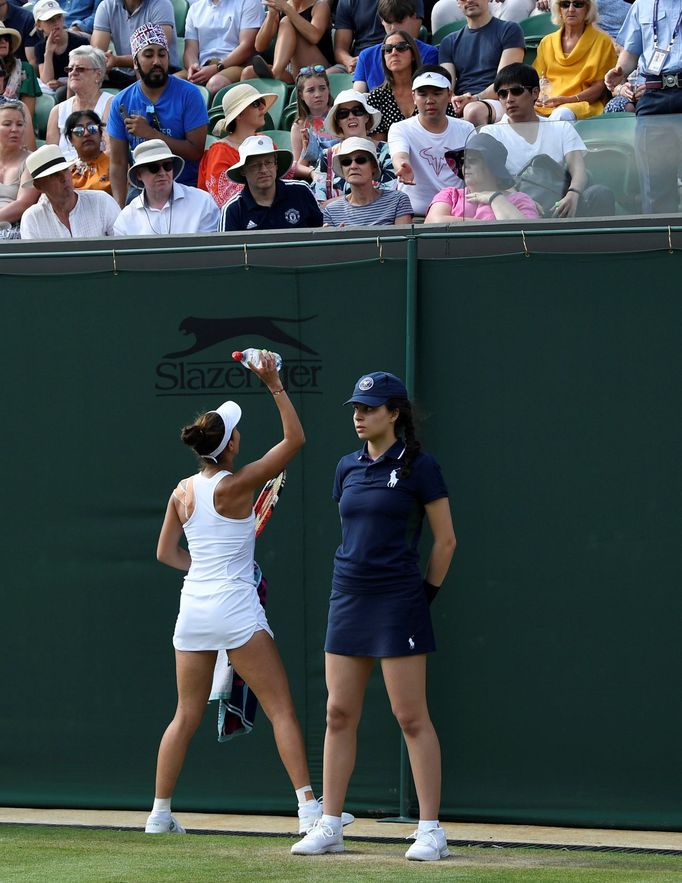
<point>191,211</point>
<point>93,216</point>
<point>216,26</point>
<point>426,152</point>
<point>554,138</point>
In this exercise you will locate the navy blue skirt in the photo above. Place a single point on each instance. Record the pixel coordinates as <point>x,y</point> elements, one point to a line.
<point>379,624</point>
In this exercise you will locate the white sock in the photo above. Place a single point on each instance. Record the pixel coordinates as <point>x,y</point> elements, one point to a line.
<point>427,825</point>
<point>301,795</point>
<point>334,823</point>
<point>162,806</point>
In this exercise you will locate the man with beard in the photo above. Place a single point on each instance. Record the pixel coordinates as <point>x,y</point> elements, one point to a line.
<point>156,106</point>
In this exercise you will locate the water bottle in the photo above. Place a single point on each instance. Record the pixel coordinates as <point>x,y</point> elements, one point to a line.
<point>253,355</point>
<point>545,90</point>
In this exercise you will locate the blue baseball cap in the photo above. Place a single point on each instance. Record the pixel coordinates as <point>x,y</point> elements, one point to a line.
<point>377,388</point>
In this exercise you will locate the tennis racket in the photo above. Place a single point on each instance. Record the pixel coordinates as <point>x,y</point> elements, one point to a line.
<point>267,500</point>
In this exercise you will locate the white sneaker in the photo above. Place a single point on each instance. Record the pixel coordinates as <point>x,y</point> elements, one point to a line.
<point>309,814</point>
<point>429,846</point>
<point>320,839</point>
<point>157,824</point>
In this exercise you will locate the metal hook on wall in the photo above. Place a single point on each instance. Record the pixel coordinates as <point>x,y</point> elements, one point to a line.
<point>113,257</point>
<point>526,253</point>
<point>246,257</point>
<point>671,250</point>
<point>380,246</point>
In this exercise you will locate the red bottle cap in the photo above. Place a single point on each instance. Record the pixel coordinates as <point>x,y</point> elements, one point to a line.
<point>237,356</point>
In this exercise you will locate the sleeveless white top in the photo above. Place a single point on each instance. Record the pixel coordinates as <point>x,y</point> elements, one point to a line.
<point>221,548</point>
<point>65,110</point>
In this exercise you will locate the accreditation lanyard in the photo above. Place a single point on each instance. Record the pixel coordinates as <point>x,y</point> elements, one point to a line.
<point>660,56</point>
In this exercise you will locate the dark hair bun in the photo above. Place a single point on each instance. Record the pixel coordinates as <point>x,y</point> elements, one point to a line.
<point>193,435</point>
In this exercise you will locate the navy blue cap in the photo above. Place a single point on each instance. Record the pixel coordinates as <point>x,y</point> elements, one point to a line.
<point>377,388</point>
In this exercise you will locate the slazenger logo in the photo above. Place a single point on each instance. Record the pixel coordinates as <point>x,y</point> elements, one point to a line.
<point>178,374</point>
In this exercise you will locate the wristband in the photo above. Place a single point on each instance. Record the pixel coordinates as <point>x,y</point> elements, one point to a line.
<point>494,196</point>
<point>277,392</point>
<point>573,190</point>
<point>430,591</point>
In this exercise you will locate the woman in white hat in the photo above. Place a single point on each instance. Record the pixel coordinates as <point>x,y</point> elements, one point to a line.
<point>52,51</point>
<point>164,206</point>
<point>20,81</point>
<point>16,192</point>
<point>366,205</point>
<point>244,110</point>
<point>351,116</point>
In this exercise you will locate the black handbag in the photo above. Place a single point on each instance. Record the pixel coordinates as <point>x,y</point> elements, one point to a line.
<point>544,180</point>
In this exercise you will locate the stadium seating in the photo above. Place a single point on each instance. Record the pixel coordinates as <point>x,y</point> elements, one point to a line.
<point>180,9</point>
<point>536,27</point>
<point>611,157</point>
<point>445,30</point>
<point>339,82</point>
<point>44,104</point>
<point>281,137</point>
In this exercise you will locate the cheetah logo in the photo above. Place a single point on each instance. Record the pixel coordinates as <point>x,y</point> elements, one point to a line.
<point>209,332</point>
<point>393,480</point>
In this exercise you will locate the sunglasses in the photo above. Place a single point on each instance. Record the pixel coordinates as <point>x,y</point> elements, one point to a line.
<point>167,165</point>
<point>576,4</point>
<point>91,129</point>
<point>512,90</point>
<point>360,160</point>
<point>310,71</point>
<point>76,69</point>
<point>258,103</point>
<point>357,111</point>
<point>390,48</point>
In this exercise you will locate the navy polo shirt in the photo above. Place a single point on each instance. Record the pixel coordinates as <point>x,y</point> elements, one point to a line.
<point>294,206</point>
<point>381,518</point>
<point>21,21</point>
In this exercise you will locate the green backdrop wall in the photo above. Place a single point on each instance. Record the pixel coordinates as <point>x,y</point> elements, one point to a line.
<point>548,389</point>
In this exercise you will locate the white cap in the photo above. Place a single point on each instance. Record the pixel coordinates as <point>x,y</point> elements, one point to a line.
<point>431,79</point>
<point>47,9</point>
<point>230,413</point>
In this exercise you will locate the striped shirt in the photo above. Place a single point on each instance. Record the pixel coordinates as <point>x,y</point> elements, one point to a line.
<point>390,205</point>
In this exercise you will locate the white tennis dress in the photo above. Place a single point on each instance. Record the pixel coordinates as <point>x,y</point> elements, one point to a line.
<point>219,606</point>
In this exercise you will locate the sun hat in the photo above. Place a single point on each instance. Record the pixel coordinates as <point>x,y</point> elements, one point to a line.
<point>431,78</point>
<point>345,97</point>
<point>15,37</point>
<point>230,413</point>
<point>351,145</point>
<point>259,145</point>
<point>47,160</point>
<point>377,388</point>
<point>494,153</point>
<point>154,150</point>
<point>44,10</point>
<point>237,100</point>
<point>147,34</point>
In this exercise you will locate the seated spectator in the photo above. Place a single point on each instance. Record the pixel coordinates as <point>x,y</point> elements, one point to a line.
<point>244,110</point>
<point>62,212</point>
<point>83,130</point>
<point>474,54</point>
<point>396,16</point>
<point>394,98</point>
<point>526,136</point>
<point>267,202</point>
<point>220,39</point>
<point>574,60</point>
<point>80,15</point>
<point>20,20</point>
<point>19,81</point>
<point>488,194</point>
<point>53,48</point>
<point>117,20</point>
<point>303,38</point>
<point>447,12</point>
<point>157,106</point>
<point>351,117</point>
<point>366,204</point>
<point>16,192</point>
<point>357,27</point>
<point>86,70</point>
<point>308,132</point>
<point>164,206</point>
<point>418,145</point>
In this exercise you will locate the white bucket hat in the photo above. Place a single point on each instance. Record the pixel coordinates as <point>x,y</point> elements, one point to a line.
<point>345,97</point>
<point>47,160</point>
<point>44,10</point>
<point>259,145</point>
<point>352,145</point>
<point>236,100</point>
<point>154,150</point>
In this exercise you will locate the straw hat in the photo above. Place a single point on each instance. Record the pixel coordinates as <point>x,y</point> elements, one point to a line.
<point>345,97</point>
<point>259,145</point>
<point>15,37</point>
<point>154,150</point>
<point>237,99</point>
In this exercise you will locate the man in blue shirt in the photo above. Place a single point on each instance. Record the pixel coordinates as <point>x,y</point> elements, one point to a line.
<point>395,15</point>
<point>80,14</point>
<point>156,106</point>
<point>652,30</point>
<point>266,202</point>
<point>357,27</point>
<point>473,56</point>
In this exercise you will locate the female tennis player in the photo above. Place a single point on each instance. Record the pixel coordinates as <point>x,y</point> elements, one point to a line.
<point>379,605</point>
<point>219,606</point>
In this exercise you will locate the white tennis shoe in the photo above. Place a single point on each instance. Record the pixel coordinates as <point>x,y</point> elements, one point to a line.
<point>320,839</point>
<point>428,846</point>
<point>158,824</point>
<point>309,814</point>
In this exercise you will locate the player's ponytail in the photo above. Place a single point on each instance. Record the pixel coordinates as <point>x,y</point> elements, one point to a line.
<point>404,428</point>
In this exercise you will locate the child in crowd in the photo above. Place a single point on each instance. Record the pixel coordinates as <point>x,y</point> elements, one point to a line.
<point>308,135</point>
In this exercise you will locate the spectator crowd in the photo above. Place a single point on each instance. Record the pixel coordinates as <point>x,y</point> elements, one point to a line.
<point>152,132</point>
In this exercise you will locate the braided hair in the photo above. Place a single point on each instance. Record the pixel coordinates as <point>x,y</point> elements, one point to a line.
<point>404,428</point>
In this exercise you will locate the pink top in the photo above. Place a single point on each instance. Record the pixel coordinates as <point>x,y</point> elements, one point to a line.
<point>455,198</point>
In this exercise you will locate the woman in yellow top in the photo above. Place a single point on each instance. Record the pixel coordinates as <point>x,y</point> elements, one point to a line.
<point>574,59</point>
<point>83,129</point>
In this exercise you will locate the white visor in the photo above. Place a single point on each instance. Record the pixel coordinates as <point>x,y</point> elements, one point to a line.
<point>230,413</point>
<point>431,79</point>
